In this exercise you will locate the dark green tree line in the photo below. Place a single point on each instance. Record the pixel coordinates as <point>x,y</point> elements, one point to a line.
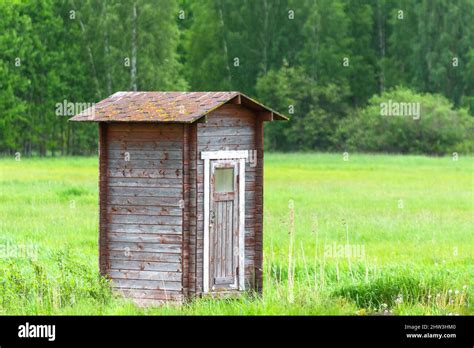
<point>320,62</point>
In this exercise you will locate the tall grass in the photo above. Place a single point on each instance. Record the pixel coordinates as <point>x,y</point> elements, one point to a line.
<point>291,233</point>
<point>417,259</point>
<point>29,286</point>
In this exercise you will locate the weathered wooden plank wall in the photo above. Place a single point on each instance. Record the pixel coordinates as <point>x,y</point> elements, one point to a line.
<point>193,155</point>
<point>230,127</point>
<point>103,252</point>
<point>145,195</point>
<point>259,141</point>
<point>151,202</point>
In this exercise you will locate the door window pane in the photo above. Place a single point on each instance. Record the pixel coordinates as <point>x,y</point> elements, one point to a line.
<point>224,179</point>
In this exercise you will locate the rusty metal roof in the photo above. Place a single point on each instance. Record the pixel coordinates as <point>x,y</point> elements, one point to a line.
<point>178,107</point>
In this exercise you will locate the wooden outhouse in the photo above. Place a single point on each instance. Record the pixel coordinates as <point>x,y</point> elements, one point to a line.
<point>180,192</point>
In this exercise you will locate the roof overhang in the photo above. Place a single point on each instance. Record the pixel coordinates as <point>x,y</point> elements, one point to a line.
<point>169,107</point>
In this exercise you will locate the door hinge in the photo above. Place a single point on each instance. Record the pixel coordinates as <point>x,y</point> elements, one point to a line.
<point>237,271</point>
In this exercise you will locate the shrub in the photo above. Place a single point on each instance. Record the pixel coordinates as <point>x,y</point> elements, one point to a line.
<point>47,285</point>
<point>438,129</point>
<point>314,108</point>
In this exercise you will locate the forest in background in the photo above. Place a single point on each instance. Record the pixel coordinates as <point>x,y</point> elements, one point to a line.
<point>328,64</point>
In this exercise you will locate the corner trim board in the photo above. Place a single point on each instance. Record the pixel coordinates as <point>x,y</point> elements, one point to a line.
<point>242,224</point>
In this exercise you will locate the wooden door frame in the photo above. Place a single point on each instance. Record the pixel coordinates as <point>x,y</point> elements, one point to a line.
<point>216,164</point>
<point>241,156</point>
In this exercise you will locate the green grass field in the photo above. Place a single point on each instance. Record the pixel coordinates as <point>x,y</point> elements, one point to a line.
<point>372,235</point>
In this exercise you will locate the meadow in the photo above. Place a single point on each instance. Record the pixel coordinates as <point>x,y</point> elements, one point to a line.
<point>371,235</point>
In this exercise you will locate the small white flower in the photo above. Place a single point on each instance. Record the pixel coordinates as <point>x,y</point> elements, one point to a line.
<point>464,287</point>
<point>450,291</point>
<point>399,299</point>
<point>429,296</point>
<point>438,295</point>
<point>456,292</point>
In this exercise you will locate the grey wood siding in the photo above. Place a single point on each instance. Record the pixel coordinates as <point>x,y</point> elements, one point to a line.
<point>192,152</point>
<point>230,127</point>
<point>144,218</point>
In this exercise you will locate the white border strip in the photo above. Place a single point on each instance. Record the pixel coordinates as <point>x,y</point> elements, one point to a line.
<point>242,224</point>
<point>224,154</point>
